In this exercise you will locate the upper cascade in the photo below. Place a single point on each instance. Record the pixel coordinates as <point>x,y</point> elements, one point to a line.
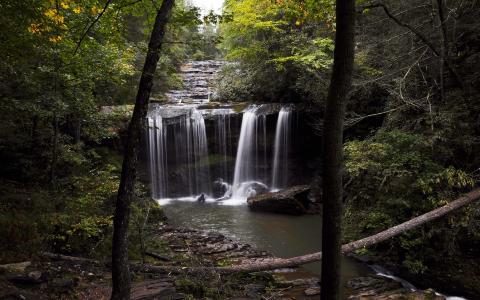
<point>209,151</point>
<point>198,77</point>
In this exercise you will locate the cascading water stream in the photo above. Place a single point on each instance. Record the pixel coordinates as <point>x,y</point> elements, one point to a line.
<point>247,181</point>
<point>189,160</point>
<point>181,164</point>
<point>200,153</point>
<point>281,149</point>
<point>157,157</point>
<point>223,142</point>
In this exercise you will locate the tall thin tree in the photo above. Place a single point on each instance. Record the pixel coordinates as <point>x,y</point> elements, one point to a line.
<point>120,272</point>
<point>333,148</point>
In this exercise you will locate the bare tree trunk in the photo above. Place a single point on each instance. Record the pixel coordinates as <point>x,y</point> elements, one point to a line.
<point>120,272</point>
<point>443,43</point>
<point>333,148</point>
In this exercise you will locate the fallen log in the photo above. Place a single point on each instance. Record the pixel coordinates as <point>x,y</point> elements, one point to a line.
<point>359,244</point>
<point>55,256</point>
<point>280,263</point>
<point>157,256</point>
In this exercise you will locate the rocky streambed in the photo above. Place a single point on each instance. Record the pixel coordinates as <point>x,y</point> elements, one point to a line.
<point>64,279</point>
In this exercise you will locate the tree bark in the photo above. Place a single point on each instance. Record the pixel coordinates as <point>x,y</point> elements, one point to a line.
<point>120,272</point>
<point>55,256</point>
<point>443,47</point>
<point>333,149</point>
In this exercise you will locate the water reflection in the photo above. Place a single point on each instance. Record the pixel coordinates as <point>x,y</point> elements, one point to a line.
<point>284,236</point>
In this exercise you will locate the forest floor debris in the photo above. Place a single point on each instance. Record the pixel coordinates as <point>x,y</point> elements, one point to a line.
<point>62,279</point>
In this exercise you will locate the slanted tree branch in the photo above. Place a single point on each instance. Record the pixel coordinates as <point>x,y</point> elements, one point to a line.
<point>363,243</point>
<point>79,43</point>
<point>278,263</point>
<point>405,25</point>
<point>422,37</point>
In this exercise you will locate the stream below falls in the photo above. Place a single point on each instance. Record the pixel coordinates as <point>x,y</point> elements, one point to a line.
<point>282,235</point>
<point>206,158</point>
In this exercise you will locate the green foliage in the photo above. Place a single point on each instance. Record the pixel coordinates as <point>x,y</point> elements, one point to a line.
<point>394,177</point>
<point>414,265</point>
<point>86,217</point>
<point>396,161</point>
<point>56,80</point>
<point>290,41</point>
<point>376,221</point>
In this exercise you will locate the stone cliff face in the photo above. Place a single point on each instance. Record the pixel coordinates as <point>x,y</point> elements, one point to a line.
<point>194,141</point>
<point>198,77</point>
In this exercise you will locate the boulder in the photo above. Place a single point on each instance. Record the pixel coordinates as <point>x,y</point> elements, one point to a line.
<point>34,277</point>
<point>312,291</point>
<point>256,188</point>
<point>220,188</point>
<point>383,288</point>
<point>292,201</point>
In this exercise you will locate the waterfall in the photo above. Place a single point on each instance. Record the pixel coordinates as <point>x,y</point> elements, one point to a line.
<point>281,149</point>
<point>223,141</point>
<point>247,178</point>
<point>182,167</point>
<point>189,161</point>
<point>200,153</point>
<point>157,157</point>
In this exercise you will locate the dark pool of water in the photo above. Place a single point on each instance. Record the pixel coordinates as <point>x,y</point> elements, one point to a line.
<point>284,236</point>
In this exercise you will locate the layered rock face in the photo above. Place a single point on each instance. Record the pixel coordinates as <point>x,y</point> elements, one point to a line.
<point>293,201</point>
<point>198,79</point>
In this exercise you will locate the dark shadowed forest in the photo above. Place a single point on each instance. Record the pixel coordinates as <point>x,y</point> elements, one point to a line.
<point>190,149</point>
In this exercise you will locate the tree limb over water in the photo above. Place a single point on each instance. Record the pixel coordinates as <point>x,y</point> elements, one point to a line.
<point>278,263</point>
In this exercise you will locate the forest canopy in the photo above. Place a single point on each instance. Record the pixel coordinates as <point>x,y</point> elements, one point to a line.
<point>69,75</point>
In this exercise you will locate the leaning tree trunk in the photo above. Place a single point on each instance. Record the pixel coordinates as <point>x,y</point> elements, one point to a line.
<point>333,148</point>
<point>279,263</point>
<point>120,270</point>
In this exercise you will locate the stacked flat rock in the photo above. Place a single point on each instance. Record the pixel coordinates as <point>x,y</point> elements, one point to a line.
<point>198,79</point>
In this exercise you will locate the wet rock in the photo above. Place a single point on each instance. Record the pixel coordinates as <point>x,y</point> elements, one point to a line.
<point>197,78</point>
<point>299,282</point>
<point>15,267</point>
<point>376,287</point>
<point>35,277</point>
<point>155,289</point>
<point>217,248</point>
<point>256,188</point>
<point>270,108</point>
<point>376,284</point>
<point>63,284</point>
<point>293,201</point>
<point>312,291</point>
<point>9,292</point>
<point>220,188</point>
<point>254,290</point>
<point>201,198</point>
